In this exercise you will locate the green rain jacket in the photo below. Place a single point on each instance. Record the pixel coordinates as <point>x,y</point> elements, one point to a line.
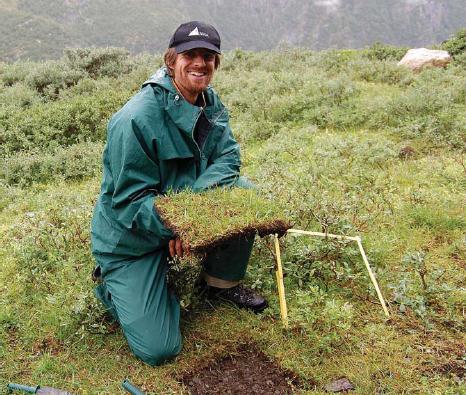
<point>150,150</point>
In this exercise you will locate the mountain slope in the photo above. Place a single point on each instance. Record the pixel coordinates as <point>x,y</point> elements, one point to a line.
<point>41,29</point>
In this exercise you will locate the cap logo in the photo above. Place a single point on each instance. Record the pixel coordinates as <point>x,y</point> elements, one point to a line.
<point>196,32</point>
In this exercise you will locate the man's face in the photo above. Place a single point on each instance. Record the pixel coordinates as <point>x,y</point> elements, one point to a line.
<point>193,70</point>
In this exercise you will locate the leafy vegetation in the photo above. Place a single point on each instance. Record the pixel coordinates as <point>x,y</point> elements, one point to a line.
<point>456,45</point>
<point>350,143</point>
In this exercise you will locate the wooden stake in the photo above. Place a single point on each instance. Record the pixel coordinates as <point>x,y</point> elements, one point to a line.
<point>306,232</point>
<point>363,254</point>
<point>373,279</point>
<point>280,285</point>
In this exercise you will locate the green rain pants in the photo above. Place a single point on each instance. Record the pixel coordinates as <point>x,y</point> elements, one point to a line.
<point>136,294</point>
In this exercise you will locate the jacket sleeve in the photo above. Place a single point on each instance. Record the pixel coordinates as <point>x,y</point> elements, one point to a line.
<point>136,179</point>
<point>224,166</point>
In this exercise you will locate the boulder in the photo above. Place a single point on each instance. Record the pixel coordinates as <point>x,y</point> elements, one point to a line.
<point>418,58</point>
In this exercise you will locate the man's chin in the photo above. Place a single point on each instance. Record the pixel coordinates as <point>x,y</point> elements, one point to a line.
<point>200,84</point>
<point>197,89</point>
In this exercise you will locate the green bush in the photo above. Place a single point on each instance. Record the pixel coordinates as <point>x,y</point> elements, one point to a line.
<point>460,61</point>
<point>267,102</point>
<point>12,73</point>
<point>456,45</point>
<point>49,78</point>
<point>61,123</point>
<point>445,127</point>
<point>8,194</point>
<point>421,289</point>
<point>332,61</point>
<point>380,51</point>
<point>322,319</point>
<point>51,251</point>
<point>19,95</point>
<point>98,62</point>
<point>71,163</point>
<point>384,71</point>
<point>432,107</point>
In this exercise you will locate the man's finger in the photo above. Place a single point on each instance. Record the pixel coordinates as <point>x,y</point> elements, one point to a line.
<point>179,248</point>
<point>171,248</point>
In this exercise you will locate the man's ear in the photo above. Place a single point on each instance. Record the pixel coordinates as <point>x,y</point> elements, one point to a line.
<point>170,70</point>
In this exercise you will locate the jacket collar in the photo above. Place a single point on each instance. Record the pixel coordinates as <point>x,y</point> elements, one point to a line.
<point>162,79</point>
<point>185,115</point>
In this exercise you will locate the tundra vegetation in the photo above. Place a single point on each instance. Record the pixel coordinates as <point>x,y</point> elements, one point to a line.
<point>345,141</point>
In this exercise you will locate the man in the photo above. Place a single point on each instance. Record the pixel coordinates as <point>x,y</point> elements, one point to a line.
<point>173,134</point>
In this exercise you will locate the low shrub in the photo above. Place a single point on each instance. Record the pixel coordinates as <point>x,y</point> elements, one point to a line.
<point>8,194</point>
<point>61,123</point>
<point>322,319</point>
<point>380,51</point>
<point>67,163</point>
<point>456,45</point>
<point>49,78</point>
<point>19,95</point>
<point>332,61</point>
<point>460,61</point>
<point>12,73</point>
<point>422,289</point>
<point>98,62</point>
<point>50,254</point>
<point>444,128</point>
<point>385,72</point>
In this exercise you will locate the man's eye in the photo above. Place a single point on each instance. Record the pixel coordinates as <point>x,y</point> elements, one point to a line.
<point>209,57</point>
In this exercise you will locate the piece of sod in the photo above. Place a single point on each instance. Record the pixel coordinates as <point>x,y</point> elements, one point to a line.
<point>207,219</point>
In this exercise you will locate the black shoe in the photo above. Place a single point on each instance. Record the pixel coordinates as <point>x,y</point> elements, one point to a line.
<point>97,275</point>
<point>240,296</point>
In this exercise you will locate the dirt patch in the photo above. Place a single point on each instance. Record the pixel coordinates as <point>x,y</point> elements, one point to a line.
<point>47,345</point>
<point>446,358</point>
<point>248,371</point>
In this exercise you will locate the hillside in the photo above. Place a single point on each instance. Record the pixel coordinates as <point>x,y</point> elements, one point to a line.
<point>39,29</point>
<point>346,141</point>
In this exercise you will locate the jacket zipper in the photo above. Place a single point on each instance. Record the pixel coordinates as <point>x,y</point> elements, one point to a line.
<point>192,135</point>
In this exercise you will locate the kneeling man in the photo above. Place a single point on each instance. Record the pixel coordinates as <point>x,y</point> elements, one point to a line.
<point>173,134</point>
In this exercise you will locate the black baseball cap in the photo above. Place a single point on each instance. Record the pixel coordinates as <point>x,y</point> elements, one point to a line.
<point>195,34</point>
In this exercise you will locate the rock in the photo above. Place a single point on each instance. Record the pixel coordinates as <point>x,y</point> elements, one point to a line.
<point>418,58</point>
<point>339,385</point>
<point>406,152</point>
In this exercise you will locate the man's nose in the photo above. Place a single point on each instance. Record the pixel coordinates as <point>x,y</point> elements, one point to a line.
<point>199,60</point>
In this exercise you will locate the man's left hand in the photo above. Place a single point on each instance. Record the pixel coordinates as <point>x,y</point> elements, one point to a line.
<point>176,248</point>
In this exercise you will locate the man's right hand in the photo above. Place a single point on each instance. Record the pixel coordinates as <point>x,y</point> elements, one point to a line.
<point>176,248</point>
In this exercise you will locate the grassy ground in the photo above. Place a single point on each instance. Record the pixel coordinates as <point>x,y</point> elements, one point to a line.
<point>333,148</point>
<point>43,342</point>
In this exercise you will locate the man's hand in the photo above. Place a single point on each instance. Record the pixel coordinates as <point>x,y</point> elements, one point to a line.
<point>176,248</point>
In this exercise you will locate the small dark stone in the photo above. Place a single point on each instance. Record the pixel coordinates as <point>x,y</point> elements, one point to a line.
<point>339,385</point>
<point>406,152</point>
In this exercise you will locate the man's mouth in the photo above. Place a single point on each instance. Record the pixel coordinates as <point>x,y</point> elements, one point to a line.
<point>197,73</point>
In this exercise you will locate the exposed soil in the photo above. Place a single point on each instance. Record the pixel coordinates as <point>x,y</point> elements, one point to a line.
<point>262,229</point>
<point>446,357</point>
<point>248,371</point>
